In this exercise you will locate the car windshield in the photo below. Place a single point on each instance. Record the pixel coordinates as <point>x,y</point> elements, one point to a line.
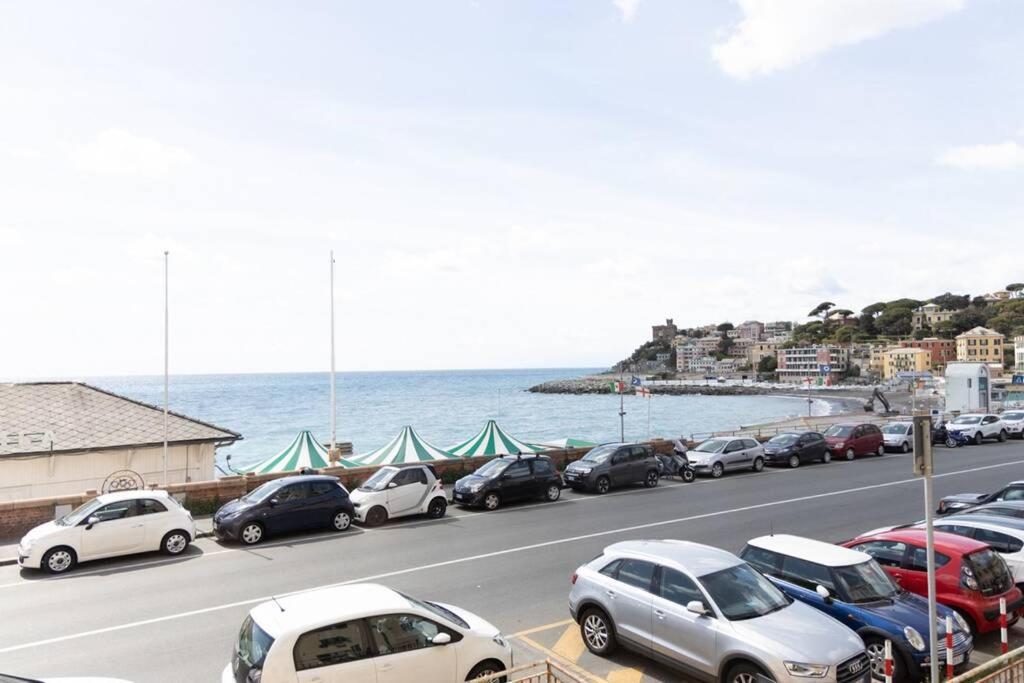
<point>261,493</point>
<point>784,439</point>
<point>434,608</point>
<point>895,428</point>
<point>967,420</point>
<point>379,479</point>
<point>80,513</point>
<point>600,454</point>
<point>1015,415</point>
<point>742,593</point>
<point>253,643</point>
<point>492,468</point>
<point>712,446</point>
<point>839,430</point>
<point>864,582</point>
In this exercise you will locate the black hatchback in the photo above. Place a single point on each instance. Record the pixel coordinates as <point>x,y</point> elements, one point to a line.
<point>509,478</point>
<point>796,448</point>
<point>285,505</point>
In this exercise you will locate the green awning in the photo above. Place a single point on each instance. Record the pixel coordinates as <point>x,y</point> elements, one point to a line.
<point>408,446</point>
<point>303,451</point>
<point>493,440</point>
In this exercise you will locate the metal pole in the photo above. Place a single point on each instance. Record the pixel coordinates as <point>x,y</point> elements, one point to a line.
<point>166,357</point>
<point>932,609</point>
<point>334,412</point>
<point>622,416</point>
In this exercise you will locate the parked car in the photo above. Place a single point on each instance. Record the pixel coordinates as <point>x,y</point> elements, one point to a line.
<point>970,577</point>
<point>708,613</point>
<point>285,505</point>
<point>851,440</point>
<point>726,454</point>
<point>399,491</point>
<point>796,448</point>
<point>1013,420</point>
<point>1002,508</point>
<point>109,525</point>
<point>508,479</point>
<point>979,426</point>
<point>613,464</point>
<point>898,436</point>
<point>1005,535</point>
<point>364,632</point>
<point>961,501</point>
<point>851,587</point>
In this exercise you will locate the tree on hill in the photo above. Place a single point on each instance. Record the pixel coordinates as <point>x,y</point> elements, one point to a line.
<point>895,321</point>
<point>725,327</point>
<point>1009,317</point>
<point>1015,288</point>
<point>767,364</point>
<point>967,319</point>
<point>843,313</point>
<point>979,302</point>
<point>874,309</point>
<point>904,303</point>
<point>724,344</point>
<point>821,310</point>
<point>813,332</point>
<point>951,302</point>
<point>844,335</point>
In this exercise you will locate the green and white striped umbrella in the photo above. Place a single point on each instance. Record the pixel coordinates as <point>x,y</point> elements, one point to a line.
<point>408,446</point>
<point>493,440</point>
<point>303,451</point>
<point>567,442</point>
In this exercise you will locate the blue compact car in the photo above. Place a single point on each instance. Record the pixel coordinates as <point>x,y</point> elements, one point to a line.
<point>850,587</point>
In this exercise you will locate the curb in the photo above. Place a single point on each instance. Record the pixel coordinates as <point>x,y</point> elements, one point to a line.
<point>7,561</point>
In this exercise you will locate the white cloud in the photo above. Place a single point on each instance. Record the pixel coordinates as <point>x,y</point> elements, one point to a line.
<point>777,34</point>
<point>628,8</point>
<point>1000,156</point>
<point>121,153</point>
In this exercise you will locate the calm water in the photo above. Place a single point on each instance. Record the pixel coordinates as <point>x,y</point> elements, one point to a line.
<point>445,407</point>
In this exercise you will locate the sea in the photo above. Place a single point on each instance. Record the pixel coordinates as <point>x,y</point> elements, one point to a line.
<point>445,407</point>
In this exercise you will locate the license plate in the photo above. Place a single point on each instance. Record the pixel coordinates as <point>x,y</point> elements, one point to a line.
<point>457,496</point>
<point>958,659</point>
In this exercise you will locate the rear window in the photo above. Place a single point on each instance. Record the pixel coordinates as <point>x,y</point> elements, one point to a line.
<point>253,643</point>
<point>990,571</point>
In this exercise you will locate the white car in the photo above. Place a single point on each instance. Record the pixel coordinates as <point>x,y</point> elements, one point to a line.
<point>979,426</point>
<point>398,491</point>
<point>113,524</point>
<point>364,632</point>
<point>898,436</point>
<point>1013,420</point>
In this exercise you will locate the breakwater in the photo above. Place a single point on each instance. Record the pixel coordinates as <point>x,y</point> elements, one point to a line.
<point>594,385</point>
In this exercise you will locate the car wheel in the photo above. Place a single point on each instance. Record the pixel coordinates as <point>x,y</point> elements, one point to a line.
<point>794,461</point>
<point>59,560</point>
<point>758,464</point>
<point>341,520</point>
<point>252,533</point>
<point>688,475</point>
<point>875,649</point>
<point>826,457</point>
<point>717,470</point>
<point>492,501</point>
<point>553,493</point>
<point>437,508</point>
<point>652,479</point>
<point>746,673</point>
<point>978,438</point>
<point>603,485</point>
<point>174,542</point>
<point>597,631</point>
<point>880,451</point>
<point>905,447</point>
<point>488,668</point>
<point>951,442</point>
<point>850,454</point>
<point>376,516</point>
<point>1002,436</point>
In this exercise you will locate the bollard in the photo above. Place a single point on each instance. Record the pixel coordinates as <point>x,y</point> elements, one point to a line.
<point>949,647</point>
<point>888,661</point>
<point>1004,640</point>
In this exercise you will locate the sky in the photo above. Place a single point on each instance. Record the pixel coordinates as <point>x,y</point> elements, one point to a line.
<point>504,183</point>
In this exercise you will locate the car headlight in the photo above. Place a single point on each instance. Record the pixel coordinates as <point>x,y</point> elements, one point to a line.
<point>840,445</point>
<point>475,486</point>
<point>914,638</point>
<point>26,545</point>
<point>584,470</point>
<point>961,622</point>
<point>801,670</point>
<point>499,640</point>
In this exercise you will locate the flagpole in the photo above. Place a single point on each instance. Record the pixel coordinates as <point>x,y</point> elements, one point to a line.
<point>650,398</point>
<point>334,412</point>
<point>166,357</point>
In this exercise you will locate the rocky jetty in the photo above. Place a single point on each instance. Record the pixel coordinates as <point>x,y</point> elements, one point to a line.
<point>595,385</point>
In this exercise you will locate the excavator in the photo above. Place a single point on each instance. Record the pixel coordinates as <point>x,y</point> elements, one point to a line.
<point>869,405</point>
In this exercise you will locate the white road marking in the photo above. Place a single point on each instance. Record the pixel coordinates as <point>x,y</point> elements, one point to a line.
<point>485,556</point>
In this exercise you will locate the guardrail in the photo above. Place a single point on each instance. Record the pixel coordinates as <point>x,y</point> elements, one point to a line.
<point>545,671</point>
<point>1008,668</point>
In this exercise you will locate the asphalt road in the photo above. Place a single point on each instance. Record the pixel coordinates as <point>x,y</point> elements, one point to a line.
<point>149,618</point>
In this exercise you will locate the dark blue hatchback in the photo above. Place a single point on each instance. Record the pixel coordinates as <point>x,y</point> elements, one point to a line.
<point>852,588</point>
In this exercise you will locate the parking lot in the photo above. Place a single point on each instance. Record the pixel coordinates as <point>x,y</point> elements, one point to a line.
<point>150,618</point>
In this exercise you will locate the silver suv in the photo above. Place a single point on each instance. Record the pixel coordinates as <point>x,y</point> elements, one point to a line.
<point>710,614</point>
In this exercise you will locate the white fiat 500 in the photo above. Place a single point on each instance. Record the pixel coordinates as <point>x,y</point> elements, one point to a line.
<point>397,491</point>
<point>109,525</point>
<point>364,632</point>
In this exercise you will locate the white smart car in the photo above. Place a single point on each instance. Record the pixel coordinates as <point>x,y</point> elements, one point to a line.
<point>979,426</point>
<point>1013,420</point>
<point>113,524</point>
<point>398,491</point>
<point>364,632</point>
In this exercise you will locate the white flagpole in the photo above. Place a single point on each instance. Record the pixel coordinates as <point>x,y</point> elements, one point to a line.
<point>166,357</point>
<point>649,397</point>
<point>334,412</point>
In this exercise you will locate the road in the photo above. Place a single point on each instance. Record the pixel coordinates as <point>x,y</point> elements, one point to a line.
<point>150,618</point>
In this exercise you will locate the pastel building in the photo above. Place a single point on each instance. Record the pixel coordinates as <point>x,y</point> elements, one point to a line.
<point>980,345</point>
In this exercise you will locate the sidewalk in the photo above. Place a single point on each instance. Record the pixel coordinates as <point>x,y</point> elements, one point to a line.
<point>9,548</point>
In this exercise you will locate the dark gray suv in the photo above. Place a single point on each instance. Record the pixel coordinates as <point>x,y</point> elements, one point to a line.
<point>613,464</point>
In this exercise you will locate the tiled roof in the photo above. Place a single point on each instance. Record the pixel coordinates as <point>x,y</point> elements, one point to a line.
<point>77,416</point>
<point>980,332</point>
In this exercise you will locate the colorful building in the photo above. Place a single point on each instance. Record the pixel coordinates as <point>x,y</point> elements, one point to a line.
<point>800,363</point>
<point>980,345</point>
<point>942,350</point>
<point>905,359</point>
<point>930,315</point>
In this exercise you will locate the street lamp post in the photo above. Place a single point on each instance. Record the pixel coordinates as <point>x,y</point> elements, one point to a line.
<point>166,357</point>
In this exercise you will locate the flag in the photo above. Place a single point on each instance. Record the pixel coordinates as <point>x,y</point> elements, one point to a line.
<point>618,387</point>
<point>643,392</point>
<point>637,382</point>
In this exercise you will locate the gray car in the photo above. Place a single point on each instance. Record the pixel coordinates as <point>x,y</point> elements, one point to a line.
<point>710,614</point>
<point>613,464</point>
<point>726,454</point>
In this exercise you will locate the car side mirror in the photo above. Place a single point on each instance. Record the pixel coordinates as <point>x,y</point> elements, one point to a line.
<point>823,592</point>
<point>441,639</point>
<point>93,520</point>
<point>697,607</point>
<point>392,485</point>
<point>273,502</point>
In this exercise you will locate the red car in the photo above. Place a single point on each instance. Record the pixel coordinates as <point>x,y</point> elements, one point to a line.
<point>970,577</point>
<point>849,441</point>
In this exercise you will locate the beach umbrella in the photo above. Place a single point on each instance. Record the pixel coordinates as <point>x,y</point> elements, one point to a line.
<point>303,451</point>
<point>408,446</point>
<point>565,443</point>
<point>493,440</point>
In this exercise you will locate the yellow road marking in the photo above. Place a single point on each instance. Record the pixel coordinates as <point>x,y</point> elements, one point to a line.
<point>545,627</point>
<point>626,676</point>
<point>570,645</point>
<point>570,666</point>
